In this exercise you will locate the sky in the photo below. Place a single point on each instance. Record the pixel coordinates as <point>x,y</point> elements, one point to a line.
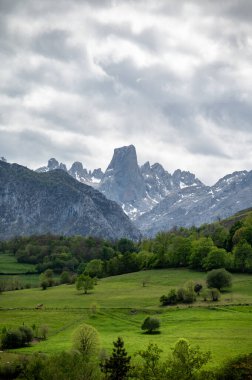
<point>79,78</point>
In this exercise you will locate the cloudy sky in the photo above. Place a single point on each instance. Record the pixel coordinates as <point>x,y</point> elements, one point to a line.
<point>81,77</point>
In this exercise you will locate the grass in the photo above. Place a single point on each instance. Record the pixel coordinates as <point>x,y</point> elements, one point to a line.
<point>9,265</point>
<point>24,279</point>
<point>123,304</point>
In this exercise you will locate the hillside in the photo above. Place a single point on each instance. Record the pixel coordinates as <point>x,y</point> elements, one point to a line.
<point>122,303</point>
<point>54,202</point>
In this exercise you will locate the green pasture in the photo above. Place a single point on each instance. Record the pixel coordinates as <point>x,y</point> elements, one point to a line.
<point>224,327</point>
<point>31,280</point>
<point>9,265</point>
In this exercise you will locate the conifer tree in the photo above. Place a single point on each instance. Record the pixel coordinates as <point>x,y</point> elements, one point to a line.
<point>118,365</point>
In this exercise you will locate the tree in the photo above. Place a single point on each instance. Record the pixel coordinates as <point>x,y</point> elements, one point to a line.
<point>186,360</point>
<point>216,258</point>
<point>86,340</point>
<point>242,255</point>
<point>65,277</point>
<point>150,325</point>
<point>200,250</point>
<point>84,282</point>
<point>94,268</point>
<point>118,365</point>
<point>151,368</point>
<point>219,278</point>
<point>125,245</point>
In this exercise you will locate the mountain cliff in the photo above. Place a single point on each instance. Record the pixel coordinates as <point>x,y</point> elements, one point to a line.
<point>53,202</point>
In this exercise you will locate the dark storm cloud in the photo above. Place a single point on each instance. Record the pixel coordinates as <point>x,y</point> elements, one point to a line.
<point>99,74</point>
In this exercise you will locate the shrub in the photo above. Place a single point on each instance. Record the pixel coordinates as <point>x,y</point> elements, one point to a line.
<point>43,331</point>
<point>219,278</point>
<point>237,368</point>
<point>172,297</point>
<point>150,325</point>
<point>16,338</point>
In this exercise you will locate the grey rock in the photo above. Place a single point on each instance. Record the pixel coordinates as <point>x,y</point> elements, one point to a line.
<point>54,202</point>
<point>122,180</point>
<point>195,205</point>
<point>157,200</point>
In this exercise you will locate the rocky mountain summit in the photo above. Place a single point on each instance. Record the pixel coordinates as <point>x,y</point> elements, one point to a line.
<point>53,202</point>
<point>157,200</point>
<point>76,171</point>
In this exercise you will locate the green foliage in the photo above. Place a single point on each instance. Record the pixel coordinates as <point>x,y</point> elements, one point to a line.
<point>219,278</point>
<point>184,295</point>
<point>239,368</point>
<point>16,338</point>
<point>184,363</point>
<point>186,360</point>
<point>94,268</point>
<point>43,331</point>
<point>243,256</point>
<point>118,365</point>
<point>65,277</point>
<point>151,325</point>
<point>200,249</point>
<point>85,282</point>
<point>216,258</point>
<point>86,340</point>
<point>64,366</point>
<point>150,368</point>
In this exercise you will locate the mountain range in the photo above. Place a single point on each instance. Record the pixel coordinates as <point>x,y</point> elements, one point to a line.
<point>54,202</point>
<point>155,199</point>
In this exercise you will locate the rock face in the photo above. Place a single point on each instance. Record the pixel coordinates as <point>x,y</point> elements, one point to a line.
<point>53,202</point>
<point>158,200</point>
<point>122,180</point>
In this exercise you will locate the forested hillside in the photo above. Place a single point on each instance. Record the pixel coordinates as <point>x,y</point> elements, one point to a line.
<point>222,244</point>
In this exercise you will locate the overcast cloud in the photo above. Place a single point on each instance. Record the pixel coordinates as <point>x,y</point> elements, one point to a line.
<point>79,78</point>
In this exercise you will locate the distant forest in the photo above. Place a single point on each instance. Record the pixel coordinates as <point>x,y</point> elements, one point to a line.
<point>216,245</point>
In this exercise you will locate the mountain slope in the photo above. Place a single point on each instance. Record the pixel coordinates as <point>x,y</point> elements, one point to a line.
<point>37,203</point>
<point>195,206</point>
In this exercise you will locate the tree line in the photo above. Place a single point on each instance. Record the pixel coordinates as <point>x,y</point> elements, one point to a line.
<point>205,248</point>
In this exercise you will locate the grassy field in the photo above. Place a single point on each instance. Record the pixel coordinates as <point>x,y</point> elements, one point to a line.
<point>123,303</point>
<point>9,265</point>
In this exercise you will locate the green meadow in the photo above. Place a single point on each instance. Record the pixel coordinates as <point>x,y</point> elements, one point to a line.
<point>121,305</point>
<point>9,265</point>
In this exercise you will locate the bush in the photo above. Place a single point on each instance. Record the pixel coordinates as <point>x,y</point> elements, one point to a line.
<point>239,368</point>
<point>150,325</point>
<point>43,331</point>
<point>219,278</point>
<point>16,338</point>
<point>65,277</point>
